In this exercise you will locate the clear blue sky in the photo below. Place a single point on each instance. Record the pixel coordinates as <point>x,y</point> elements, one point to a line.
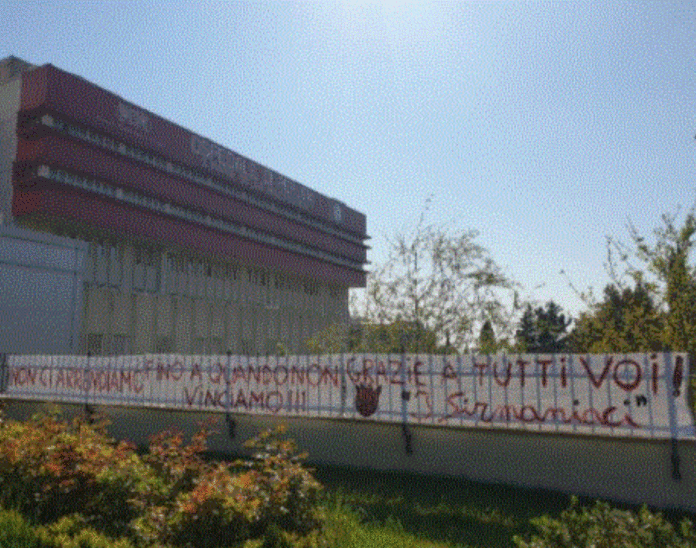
<point>545,126</point>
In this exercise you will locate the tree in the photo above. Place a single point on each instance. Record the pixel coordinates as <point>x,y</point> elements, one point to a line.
<point>668,259</point>
<point>363,336</point>
<point>396,337</point>
<point>627,320</point>
<point>543,330</point>
<point>486,342</point>
<point>442,281</point>
<point>651,304</point>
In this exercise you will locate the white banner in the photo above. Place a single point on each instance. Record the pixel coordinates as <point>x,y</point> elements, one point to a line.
<point>615,394</point>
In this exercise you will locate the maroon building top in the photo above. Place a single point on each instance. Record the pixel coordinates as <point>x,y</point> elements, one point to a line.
<point>87,156</point>
<point>51,89</point>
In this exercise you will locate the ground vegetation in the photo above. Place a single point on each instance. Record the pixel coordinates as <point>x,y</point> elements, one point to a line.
<point>67,484</point>
<point>71,480</point>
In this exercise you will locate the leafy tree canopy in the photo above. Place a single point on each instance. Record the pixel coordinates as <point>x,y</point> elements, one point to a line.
<point>363,336</point>
<point>543,330</point>
<point>442,281</point>
<point>651,304</point>
<point>627,320</point>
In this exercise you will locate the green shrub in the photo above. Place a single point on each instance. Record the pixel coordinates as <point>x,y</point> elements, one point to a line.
<point>51,468</point>
<point>602,526</point>
<point>74,532</point>
<point>15,532</point>
<point>288,491</point>
<point>173,470</point>
<point>84,487</point>
<point>68,532</point>
<point>241,500</point>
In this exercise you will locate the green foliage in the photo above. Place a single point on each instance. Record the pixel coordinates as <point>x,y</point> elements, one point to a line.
<point>51,468</point>
<point>440,280</point>
<point>348,530</point>
<point>543,330</point>
<point>627,320</point>
<point>602,526</point>
<point>16,532</point>
<point>668,258</point>
<point>487,343</point>
<point>74,532</point>
<point>82,487</point>
<point>237,501</point>
<point>395,338</point>
<point>392,338</point>
<point>68,532</point>
<point>651,304</point>
<point>334,339</point>
<point>288,492</point>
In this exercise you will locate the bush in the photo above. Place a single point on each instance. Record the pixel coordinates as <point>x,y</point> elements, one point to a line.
<point>15,532</point>
<point>51,468</point>
<point>74,532</point>
<point>83,487</point>
<point>68,532</point>
<point>246,499</point>
<point>288,491</point>
<point>602,526</point>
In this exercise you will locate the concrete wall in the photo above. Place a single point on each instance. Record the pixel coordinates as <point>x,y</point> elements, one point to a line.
<point>9,106</point>
<point>40,292</point>
<point>627,470</point>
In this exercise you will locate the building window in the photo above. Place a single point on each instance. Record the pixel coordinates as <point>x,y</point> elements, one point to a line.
<point>120,345</point>
<point>311,288</point>
<point>115,265</point>
<point>216,346</point>
<point>199,345</point>
<point>100,263</point>
<point>164,345</point>
<point>94,344</point>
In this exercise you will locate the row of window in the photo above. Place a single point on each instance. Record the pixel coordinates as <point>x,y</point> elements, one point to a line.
<point>99,344</point>
<point>155,271</point>
<point>247,331</point>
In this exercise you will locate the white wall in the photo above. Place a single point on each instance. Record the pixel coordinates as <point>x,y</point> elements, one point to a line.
<point>628,470</point>
<point>40,292</point>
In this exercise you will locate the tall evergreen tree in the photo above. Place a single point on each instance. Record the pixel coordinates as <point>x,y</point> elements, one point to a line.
<point>543,330</point>
<point>487,343</point>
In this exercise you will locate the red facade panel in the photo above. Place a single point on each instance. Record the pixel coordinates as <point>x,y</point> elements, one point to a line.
<point>48,88</point>
<point>81,207</point>
<point>84,159</point>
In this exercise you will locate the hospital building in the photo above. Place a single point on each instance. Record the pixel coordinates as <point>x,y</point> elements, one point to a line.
<point>124,233</point>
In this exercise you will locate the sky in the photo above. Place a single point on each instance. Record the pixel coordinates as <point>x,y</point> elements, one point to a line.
<point>545,126</point>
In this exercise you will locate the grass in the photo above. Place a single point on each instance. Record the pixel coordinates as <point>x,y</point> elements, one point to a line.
<point>371,509</point>
<point>384,510</point>
<point>346,529</point>
<point>432,510</point>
